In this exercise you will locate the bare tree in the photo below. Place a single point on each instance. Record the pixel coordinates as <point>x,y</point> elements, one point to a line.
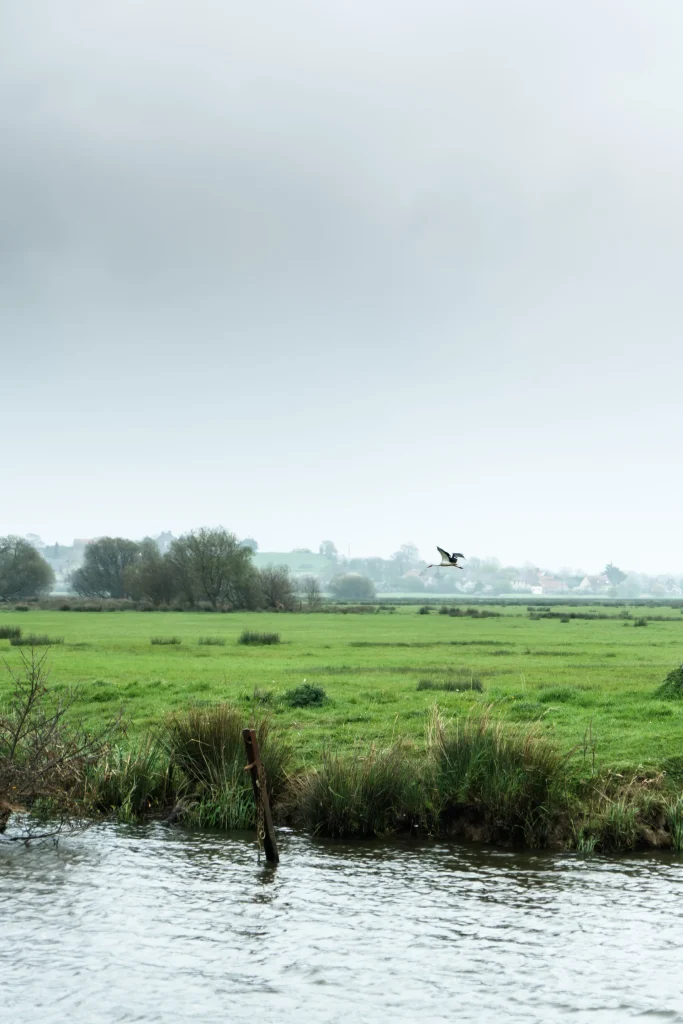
<point>42,754</point>
<point>310,586</point>
<point>276,587</point>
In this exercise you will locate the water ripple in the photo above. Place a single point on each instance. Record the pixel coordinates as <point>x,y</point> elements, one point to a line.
<point>142,925</point>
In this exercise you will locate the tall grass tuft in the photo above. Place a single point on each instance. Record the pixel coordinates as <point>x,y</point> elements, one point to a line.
<point>211,641</point>
<point>251,637</point>
<point>356,796</point>
<point>35,640</point>
<point>451,685</point>
<point>617,828</point>
<point>675,822</point>
<point>130,781</point>
<point>509,776</point>
<point>165,641</point>
<point>10,632</point>
<point>206,750</point>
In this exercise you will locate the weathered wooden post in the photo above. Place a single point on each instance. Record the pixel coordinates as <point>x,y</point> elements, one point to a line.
<point>264,821</point>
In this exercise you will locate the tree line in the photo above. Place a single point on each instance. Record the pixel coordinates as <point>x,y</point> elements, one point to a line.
<point>203,567</point>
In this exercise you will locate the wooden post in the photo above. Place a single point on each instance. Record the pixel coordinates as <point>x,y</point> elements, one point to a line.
<point>258,781</point>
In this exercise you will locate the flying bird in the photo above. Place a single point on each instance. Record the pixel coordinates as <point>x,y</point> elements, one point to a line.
<point>447,561</point>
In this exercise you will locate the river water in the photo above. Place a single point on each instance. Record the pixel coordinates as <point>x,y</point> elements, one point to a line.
<point>155,924</point>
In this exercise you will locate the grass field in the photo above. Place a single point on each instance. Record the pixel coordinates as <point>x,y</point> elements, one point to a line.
<point>581,678</point>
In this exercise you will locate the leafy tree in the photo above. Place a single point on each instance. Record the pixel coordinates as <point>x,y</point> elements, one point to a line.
<point>211,565</point>
<point>23,570</point>
<point>351,586</point>
<point>276,587</point>
<point>152,576</point>
<point>614,575</point>
<point>328,550</point>
<point>249,542</point>
<point>107,568</point>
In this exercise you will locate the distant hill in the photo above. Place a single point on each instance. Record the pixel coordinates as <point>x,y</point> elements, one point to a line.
<point>299,563</point>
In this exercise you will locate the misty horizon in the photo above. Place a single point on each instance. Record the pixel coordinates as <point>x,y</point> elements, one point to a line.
<point>346,556</point>
<point>368,272</point>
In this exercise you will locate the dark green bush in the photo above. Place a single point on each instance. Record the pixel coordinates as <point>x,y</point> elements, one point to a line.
<point>640,622</point>
<point>424,610</point>
<point>672,687</point>
<point>305,696</point>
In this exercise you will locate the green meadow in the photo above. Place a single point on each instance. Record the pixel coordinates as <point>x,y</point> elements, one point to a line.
<point>589,682</point>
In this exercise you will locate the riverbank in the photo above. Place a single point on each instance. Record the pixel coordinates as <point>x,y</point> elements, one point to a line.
<point>506,727</point>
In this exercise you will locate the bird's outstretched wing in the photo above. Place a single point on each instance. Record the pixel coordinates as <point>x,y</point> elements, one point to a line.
<point>444,554</point>
<point>457,554</point>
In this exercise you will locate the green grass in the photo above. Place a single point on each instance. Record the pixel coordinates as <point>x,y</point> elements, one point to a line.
<point>571,677</point>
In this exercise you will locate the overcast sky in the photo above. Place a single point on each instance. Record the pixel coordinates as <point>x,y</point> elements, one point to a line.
<point>378,271</point>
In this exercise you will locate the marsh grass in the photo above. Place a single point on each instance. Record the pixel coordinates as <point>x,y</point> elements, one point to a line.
<point>510,776</point>
<point>206,750</point>
<point>35,640</point>
<point>10,632</point>
<point>165,641</point>
<point>361,795</point>
<point>249,636</point>
<point>130,781</point>
<point>211,641</point>
<point>675,822</point>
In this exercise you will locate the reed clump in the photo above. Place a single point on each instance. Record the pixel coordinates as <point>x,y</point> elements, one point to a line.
<point>205,747</point>
<point>249,636</point>
<point>131,781</point>
<point>370,794</point>
<point>211,641</point>
<point>506,780</point>
<point>35,640</point>
<point>10,632</point>
<point>165,641</point>
<point>452,685</point>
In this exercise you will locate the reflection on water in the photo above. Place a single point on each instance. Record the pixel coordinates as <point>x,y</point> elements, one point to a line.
<point>143,925</point>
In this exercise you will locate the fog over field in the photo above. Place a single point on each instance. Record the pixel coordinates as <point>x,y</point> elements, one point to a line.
<point>380,272</point>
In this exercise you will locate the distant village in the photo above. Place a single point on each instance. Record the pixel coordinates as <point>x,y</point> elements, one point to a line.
<point>404,573</point>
